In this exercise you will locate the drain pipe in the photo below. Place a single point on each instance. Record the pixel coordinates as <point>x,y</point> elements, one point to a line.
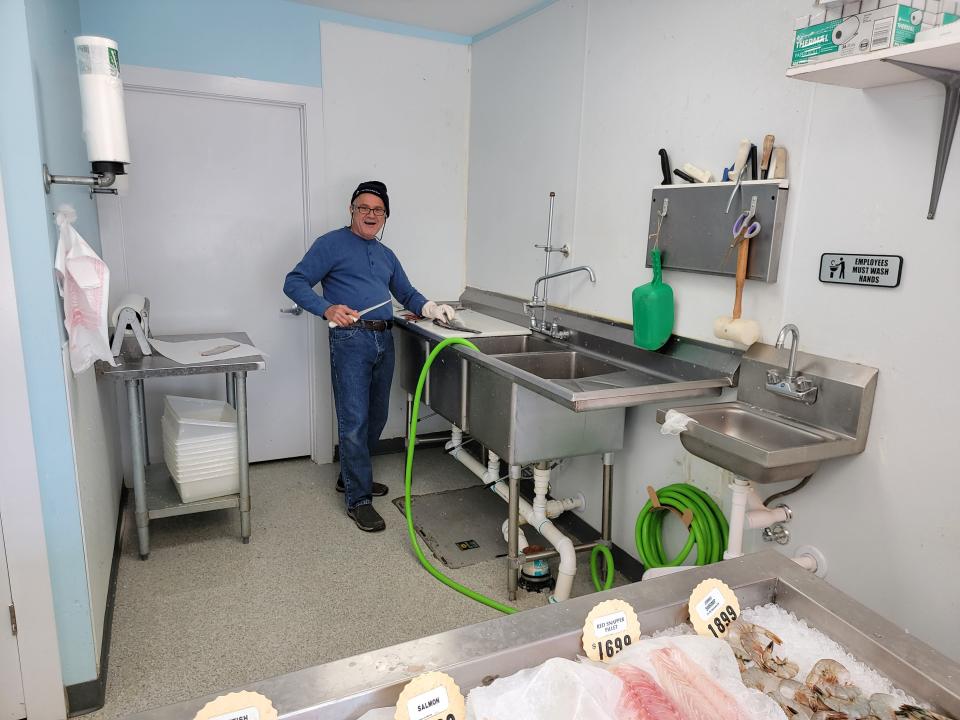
<point>521,538</point>
<point>562,544</point>
<point>490,474</point>
<point>738,514</point>
<point>538,515</point>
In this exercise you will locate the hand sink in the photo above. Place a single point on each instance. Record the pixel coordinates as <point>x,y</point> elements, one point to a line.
<point>559,365</point>
<point>757,444</point>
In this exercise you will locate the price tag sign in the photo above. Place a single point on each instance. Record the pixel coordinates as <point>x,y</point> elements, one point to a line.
<point>713,607</point>
<point>238,706</point>
<point>610,628</point>
<point>432,696</point>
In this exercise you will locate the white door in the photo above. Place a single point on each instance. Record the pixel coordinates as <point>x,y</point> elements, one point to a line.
<point>216,213</point>
<point>11,686</point>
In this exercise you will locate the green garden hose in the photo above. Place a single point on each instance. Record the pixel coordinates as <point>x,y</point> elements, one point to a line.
<point>708,528</point>
<point>472,594</point>
<point>595,574</point>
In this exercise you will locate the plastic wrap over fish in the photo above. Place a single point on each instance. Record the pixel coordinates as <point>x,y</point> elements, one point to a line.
<point>556,690</point>
<point>700,675</point>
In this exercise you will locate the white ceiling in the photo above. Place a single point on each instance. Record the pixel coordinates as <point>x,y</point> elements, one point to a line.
<point>463,17</point>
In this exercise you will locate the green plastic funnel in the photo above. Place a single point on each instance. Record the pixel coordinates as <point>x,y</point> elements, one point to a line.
<point>653,309</point>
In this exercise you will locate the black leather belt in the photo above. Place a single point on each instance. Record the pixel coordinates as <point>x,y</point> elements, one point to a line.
<point>378,325</point>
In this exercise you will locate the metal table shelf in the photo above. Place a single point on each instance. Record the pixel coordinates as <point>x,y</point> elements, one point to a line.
<point>154,495</point>
<point>163,500</point>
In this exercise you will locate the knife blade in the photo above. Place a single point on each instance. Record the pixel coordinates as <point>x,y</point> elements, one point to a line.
<point>332,324</point>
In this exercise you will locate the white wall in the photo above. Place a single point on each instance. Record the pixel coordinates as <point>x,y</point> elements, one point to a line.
<point>93,426</point>
<point>397,109</point>
<point>695,77</point>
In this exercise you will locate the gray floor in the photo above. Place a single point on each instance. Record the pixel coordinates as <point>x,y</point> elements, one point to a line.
<point>206,613</point>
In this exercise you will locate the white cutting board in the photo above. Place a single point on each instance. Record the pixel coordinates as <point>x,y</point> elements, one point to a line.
<point>488,326</point>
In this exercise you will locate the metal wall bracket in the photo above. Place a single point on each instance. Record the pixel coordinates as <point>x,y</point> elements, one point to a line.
<point>696,235</point>
<point>950,79</point>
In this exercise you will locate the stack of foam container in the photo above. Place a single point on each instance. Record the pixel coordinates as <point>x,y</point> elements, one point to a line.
<point>201,447</point>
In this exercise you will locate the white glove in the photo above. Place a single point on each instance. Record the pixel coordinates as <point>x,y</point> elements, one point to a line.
<point>444,313</point>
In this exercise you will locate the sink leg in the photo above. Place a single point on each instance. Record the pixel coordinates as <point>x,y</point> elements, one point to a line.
<point>513,532</point>
<point>406,427</point>
<point>606,517</point>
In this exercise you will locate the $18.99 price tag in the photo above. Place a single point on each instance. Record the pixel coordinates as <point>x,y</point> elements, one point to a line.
<point>713,607</point>
<point>610,628</point>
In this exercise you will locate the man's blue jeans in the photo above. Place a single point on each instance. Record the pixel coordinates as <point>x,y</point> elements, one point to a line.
<point>361,368</point>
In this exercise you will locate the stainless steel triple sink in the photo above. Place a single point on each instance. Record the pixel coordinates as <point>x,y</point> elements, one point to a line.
<point>530,398</point>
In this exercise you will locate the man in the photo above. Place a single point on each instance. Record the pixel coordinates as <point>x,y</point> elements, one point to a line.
<point>358,271</point>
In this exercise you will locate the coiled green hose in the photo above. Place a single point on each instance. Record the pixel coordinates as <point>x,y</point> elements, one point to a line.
<point>708,529</point>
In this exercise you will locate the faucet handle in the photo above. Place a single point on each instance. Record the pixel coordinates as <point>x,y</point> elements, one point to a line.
<point>773,377</point>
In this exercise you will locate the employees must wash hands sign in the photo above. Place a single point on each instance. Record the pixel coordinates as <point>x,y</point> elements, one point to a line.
<point>863,270</point>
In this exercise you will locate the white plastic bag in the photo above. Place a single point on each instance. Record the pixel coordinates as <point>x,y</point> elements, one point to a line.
<point>556,690</point>
<point>84,281</point>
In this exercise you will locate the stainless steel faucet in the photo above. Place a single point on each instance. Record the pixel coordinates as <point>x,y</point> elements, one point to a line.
<point>553,330</point>
<point>792,386</point>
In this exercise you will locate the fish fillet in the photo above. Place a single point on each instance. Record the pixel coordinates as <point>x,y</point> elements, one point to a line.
<point>642,698</point>
<point>694,692</point>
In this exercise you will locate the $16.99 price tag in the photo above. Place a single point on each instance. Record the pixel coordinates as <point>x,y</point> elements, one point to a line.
<point>610,628</point>
<point>713,607</point>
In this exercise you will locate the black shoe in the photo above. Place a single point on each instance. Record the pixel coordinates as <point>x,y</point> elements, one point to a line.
<point>366,518</point>
<point>379,490</point>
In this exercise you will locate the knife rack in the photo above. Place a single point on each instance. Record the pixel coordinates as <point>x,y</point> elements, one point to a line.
<point>696,233</point>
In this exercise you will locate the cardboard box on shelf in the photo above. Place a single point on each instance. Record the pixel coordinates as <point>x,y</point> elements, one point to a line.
<point>865,32</point>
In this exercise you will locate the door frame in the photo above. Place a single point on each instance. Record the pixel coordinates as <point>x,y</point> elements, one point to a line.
<point>22,513</point>
<point>308,101</point>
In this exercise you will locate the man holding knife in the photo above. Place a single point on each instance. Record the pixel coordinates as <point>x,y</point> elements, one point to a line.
<point>358,271</point>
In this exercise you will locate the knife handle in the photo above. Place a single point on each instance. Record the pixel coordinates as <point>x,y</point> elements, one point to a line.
<point>765,155</point>
<point>665,167</point>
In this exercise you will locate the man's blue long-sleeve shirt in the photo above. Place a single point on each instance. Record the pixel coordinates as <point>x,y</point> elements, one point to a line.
<point>355,272</point>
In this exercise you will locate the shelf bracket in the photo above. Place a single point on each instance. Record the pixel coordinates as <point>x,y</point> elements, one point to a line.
<point>950,79</point>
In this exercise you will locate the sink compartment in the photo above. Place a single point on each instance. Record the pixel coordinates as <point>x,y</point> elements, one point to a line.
<point>758,430</point>
<point>758,445</point>
<point>568,365</point>
<point>512,344</point>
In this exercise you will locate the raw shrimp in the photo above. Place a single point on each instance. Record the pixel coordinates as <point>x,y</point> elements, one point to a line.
<point>695,693</point>
<point>883,706</point>
<point>830,678</point>
<point>758,679</point>
<point>791,708</point>
<point>756,643</point>
<point>642,698</point>
<point>918,713</point>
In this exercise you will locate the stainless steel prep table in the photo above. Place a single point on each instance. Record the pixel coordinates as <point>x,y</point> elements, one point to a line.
<point>474,655</point>
<point>153,491</point>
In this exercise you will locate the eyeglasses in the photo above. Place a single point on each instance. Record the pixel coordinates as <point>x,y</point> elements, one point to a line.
<point>364,210</point>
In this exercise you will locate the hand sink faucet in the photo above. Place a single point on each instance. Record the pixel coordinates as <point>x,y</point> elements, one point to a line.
<point>792,386</point>
<point>553,330</point>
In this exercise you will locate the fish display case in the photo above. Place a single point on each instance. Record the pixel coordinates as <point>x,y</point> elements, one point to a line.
<point>477,654</point>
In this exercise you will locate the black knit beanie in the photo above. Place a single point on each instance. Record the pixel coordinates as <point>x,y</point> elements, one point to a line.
<point>374,187</point>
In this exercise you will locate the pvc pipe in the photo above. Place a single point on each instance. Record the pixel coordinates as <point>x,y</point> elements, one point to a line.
<point>807,562</point>
<point>763,518</point>
<point>741,489</point>
<point>536,514</point>
<point>521,539</point>
<point>470,462</point>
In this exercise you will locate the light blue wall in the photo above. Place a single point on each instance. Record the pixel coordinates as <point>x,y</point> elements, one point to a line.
<point>273,40</point>
<point>39,121</point>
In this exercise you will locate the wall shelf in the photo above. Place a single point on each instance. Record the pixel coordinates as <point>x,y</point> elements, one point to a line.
<point>871,70</point>
<point>937,59</point>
